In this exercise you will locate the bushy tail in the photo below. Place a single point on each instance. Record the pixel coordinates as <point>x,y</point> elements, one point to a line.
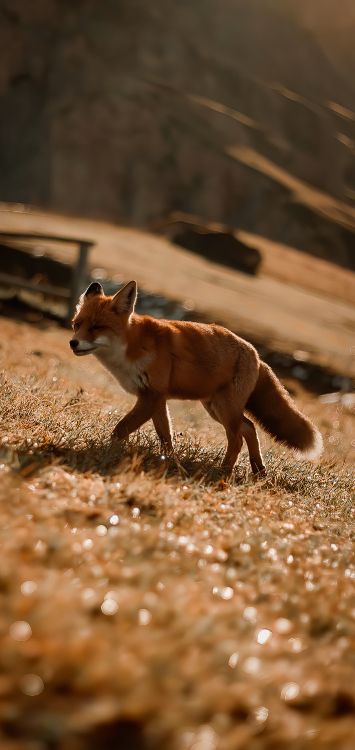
<point>274,409</point>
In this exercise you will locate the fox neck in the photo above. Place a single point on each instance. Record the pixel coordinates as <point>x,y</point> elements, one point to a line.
<point>130,373</point>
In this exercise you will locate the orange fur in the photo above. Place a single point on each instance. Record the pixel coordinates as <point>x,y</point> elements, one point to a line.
<point>162,359</point>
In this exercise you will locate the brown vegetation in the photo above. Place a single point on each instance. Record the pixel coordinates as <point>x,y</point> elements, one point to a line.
<point>145,602</point>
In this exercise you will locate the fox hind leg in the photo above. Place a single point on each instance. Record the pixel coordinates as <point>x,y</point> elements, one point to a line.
<point>251,438</point>
<point>248,432</point>
<point>223,408</point>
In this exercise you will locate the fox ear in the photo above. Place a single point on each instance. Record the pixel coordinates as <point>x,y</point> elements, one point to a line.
<point>93,289</point>
<point>124,300</point>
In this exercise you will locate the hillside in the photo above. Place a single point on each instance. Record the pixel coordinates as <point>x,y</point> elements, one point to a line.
<point>128,110</point>
<point>296,302</point>
<point>145,603</point>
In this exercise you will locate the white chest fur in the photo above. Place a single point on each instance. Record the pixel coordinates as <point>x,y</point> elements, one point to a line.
<point>130,374</point>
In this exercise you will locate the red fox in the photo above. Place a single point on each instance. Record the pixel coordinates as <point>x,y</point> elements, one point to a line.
<point>157,360</point>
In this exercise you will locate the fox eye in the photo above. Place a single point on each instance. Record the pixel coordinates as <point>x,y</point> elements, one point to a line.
<point>95,328</point>
<point>76,325</point>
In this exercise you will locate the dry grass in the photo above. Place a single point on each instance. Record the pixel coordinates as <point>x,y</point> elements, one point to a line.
<point>165,608</point>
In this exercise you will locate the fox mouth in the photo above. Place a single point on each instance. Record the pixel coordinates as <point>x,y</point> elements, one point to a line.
<point>88,347</point>
<point>84,351</point>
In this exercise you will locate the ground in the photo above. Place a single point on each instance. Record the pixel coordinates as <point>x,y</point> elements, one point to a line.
<point>147,603</point>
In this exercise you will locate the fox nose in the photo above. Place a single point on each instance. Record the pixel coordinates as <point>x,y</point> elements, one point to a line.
<point>74,343</point>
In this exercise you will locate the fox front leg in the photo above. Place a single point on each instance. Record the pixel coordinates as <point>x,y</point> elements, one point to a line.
<point>162,423</point>
<point>143,410</point>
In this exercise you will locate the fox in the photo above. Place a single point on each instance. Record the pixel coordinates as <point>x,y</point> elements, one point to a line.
<point>157,360</point>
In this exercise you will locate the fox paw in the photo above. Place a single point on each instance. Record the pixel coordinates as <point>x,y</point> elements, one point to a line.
<point>259,472</point>
<point>118,433</point>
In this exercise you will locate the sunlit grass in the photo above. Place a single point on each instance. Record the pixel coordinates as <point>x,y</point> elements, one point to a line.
<point>145,601</point>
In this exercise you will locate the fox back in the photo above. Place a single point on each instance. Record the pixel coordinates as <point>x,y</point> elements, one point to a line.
<point>179,359</point>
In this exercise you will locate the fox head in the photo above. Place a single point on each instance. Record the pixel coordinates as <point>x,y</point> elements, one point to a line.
<point>99,318</point>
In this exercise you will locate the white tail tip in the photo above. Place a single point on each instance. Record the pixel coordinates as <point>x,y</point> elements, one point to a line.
<point>315,450</point>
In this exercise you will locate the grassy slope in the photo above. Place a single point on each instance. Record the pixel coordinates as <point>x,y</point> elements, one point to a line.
<point>193,571</point>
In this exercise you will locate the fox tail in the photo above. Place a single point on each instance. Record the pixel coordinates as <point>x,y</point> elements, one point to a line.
<point>276,412</point>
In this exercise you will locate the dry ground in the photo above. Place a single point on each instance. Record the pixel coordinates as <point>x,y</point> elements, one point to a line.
<point>146,603</point>
<point>297,302</point>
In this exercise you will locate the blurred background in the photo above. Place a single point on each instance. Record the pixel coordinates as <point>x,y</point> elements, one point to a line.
<point>207,150</point>
<point>129,110</point>
<point>228,128</point>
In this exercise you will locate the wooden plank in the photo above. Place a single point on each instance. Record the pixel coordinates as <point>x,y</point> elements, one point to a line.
<point>78,272</point>
<point>16,281</point>
<point>49,237</point>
